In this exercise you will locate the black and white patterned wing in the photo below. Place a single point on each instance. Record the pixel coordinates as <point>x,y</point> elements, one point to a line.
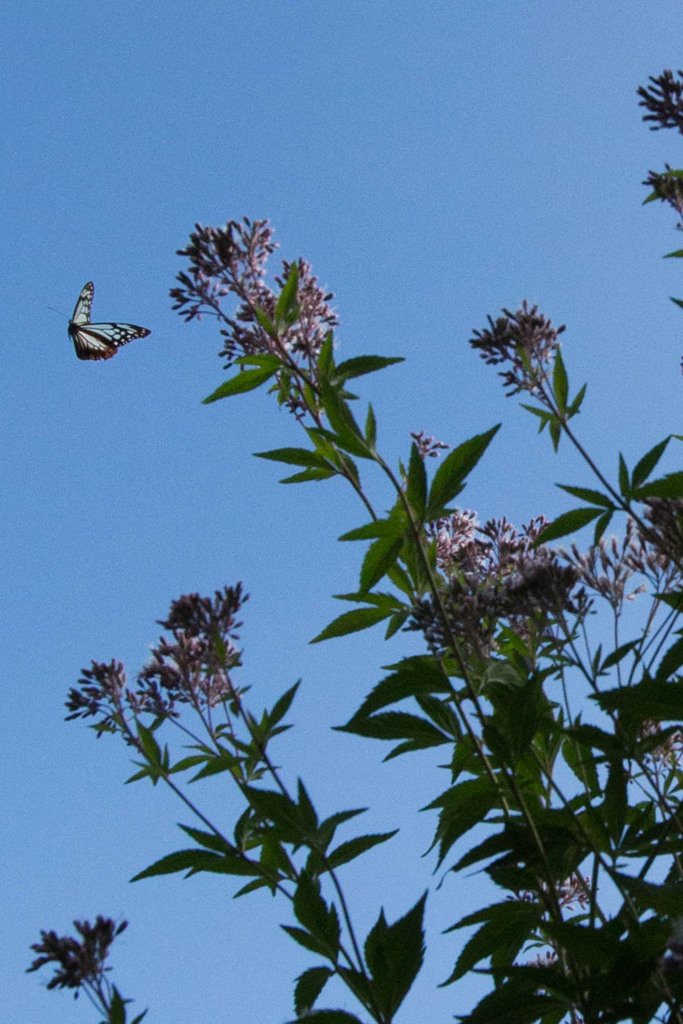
<point>98,341</point>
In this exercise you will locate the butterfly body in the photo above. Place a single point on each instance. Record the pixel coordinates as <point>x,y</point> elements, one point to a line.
<point>98,341</point>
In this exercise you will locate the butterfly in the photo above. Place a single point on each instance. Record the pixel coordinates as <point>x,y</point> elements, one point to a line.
<point>98,341</point>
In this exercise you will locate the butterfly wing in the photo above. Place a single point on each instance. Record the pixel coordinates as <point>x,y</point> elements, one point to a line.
<point>81,314</point>
<point>98,341</point>
<point>102,341</point>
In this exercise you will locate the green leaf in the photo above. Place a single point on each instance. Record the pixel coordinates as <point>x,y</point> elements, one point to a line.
<point>358,366</point>
<point>117,1008</point>
<point>601,525</point>
<point>308,987</point>
<point>450,476</point>
<point>586,494</point>
<point>352,622</point>
<point>648,462</point>
<point>615,804</point>
<point>669,486</point>
<point>679,302</point>
<point>568,522</point>
<point>462,807</point>
<point>518,710</point>
<point>282,705</point>
<point>649,699</point>
<point>624,482</point>
<point>371,428</point>
<point>514,1003</point>
<point>294,457</point>
<point>416,676</point>
<point>150,747</point>
<point>560,382</point>
<point>666,898</point>
<point>394,955</point>
<point>247,380</point>
<point>278,809</point>
<point>668,255</point>
<point>328,1017</point>
<point>265,322</point>
<point>325,363</point>
<point>577,402</point>
<point>393,725</point>
<point>309,476</point>
<point>286,303</point>
<point>348,851</point>
<point>314,914</point>
<point>416,486</point>
<point>579,758</point>
<point>209,840</point>
<point>347,433</point>
<point>308,941</point>
<point>193,861</point>
<point>379,558</point>
<point>506,925</point>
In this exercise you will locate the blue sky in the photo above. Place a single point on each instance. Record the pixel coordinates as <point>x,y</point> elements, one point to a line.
<point>434,161</point>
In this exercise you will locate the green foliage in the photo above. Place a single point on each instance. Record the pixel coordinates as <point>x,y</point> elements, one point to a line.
<point>572,807</point>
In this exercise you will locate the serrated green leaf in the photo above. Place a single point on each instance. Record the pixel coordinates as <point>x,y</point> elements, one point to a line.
<point>247,380</point>
<point>624,479</point>
<point>393,725</point>
<point>279,809</point>
<point>450,476</point>
<point>379,558</point>
<point>650,699</point>
<point>117,1008</point>
<point>555,431</point>
<point>416,676</point>
<point>666,898</point>
<point>513,1004</point>
<point>505,925</point>
<point>416,485</point>
<point>283,704</point>
<point>648,462</point>
<point>390,527</point>
<point>193,861</point>
<point>394,955</point>
<point>461,808</point>
<point>577,402</point>
<point>353,848</point>
<point>568,522</point>
<point>371,428</point>
<point>582,763</point>
<point>351,622</point>
<point>294,457</point>
<point>309,476</point>
<point>286,303</point>
<point>151,748</point>
<point>325,364</point>
<point>358,366</point>
<point>347,433</point>
<point>601,525</point>
<point>560,382</point>
<point>305,939</point>
<point>328,1017</point>
<point>587,494</point>
<point>615,803</point>
<point>669,486</point>
<point>308,987</point>
<point>264,321</point>
<point>315,915</point>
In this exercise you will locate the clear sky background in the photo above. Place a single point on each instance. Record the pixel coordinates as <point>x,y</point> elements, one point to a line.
<point>434,161</point>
